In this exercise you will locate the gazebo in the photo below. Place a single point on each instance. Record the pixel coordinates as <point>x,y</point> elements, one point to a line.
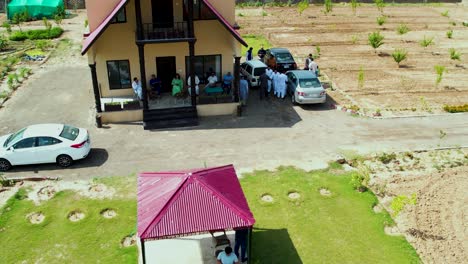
<point>191,202</point>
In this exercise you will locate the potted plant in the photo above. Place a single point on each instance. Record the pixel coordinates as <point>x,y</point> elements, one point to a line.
<point>131,105</point>
<point>113,106</point>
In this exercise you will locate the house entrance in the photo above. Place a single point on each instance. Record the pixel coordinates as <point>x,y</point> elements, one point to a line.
<point>166,68</point>
<point>163,14</point>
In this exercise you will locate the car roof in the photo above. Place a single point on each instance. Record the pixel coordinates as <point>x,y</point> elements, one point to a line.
<point>256,63</point>
<point>279,50</point>
<point>43,130</point>
<point>303,74</point>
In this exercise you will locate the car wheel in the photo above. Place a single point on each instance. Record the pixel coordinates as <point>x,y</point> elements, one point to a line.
<point>4,165</point>
<point>64,161</point>
<point>293,99</point>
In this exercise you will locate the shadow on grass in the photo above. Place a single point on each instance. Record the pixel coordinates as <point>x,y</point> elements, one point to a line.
<point>273,246</point>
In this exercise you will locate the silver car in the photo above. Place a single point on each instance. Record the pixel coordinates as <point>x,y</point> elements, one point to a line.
<point>305,88</point>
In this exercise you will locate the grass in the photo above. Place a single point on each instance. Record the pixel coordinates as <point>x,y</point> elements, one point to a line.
<point>255,41</point>
<point>341,228</point>
<point>57,240</point>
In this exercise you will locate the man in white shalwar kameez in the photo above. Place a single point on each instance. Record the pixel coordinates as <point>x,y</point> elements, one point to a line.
<point>277,82</point>
<point>269,73</point>
<point>282,85</point>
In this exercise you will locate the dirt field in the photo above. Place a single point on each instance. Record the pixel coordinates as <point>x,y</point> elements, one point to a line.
<point>342,38</point>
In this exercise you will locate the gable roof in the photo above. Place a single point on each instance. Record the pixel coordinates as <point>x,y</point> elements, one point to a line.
<point>187,202</point>
<point>89,41</point>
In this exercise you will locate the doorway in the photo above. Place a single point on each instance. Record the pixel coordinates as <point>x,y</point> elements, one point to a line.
<point>163,13</point>
<point>166,68</point>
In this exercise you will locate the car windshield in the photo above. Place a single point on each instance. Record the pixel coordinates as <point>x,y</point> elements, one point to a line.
<point>284,57</point>
<point>70,132</point>
<point>259,71</point>
<point>14,137</point>
<point>310,83</point>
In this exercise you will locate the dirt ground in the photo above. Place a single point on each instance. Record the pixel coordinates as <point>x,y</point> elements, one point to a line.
<point>437,225</point>
<point>342,38</point>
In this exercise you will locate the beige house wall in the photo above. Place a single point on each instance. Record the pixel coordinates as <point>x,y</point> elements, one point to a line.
<point>98,10</point>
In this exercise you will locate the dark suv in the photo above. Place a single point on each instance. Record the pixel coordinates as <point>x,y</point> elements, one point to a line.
<point>280,59</point>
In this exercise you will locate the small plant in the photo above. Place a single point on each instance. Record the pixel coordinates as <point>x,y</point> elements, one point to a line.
<point>375,40</point>
<point>317,50</point>
<point>381,20</point>
<point>18,19</point>
<point>328,5</point>
<point>240,14</point>
<point>361,78</point>
<point>302,6</point>
<point>46,24</point>
<point>354,39</point>
<point>380,4</point>
<point>3,43</point>
<point>439,69</point>
<point>7,26</point>
<point>442,134</point>
<point>426,42</point>
<point>454,54</point>
<point>399,55</point>
<point>402,29</point>
<point>43,44</point>
<point>60,11</point>
<point>399,202</point>
<point>24,72</point>
<point>465,23</point>
<point>264,13</point>
<point>58,19</point>
<point>425,105</point>
<point>387,158</point>
<point>10,81</point>
<point>449,34</point>
<point>360,179</point>
<point>445,13</point>
<point>354,5</point>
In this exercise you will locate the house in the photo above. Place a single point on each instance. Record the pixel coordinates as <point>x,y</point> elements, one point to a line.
<point>138,38</point>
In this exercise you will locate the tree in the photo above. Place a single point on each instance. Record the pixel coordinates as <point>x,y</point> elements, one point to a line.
<point>375,40</point>
<point>399,55</point>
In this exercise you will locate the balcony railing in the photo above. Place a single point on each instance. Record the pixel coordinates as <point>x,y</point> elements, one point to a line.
<point>165,31</point>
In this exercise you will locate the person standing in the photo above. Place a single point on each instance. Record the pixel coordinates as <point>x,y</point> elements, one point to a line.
<point>227,83</point>
<point>264,81</point>
<point>248,56</point>
<point>275,81</point>
<point>177,85</point>
<point>307,62</point>
<point>136,86</point>
<point>227,257</point>
<point>241,242</point>
<point>313,67</point>
<point>243,90</point>
<point>155,84</point>
<point>282,85</point>
<point>197,82</point>
<point>269,72</point>
<point>261,53</point>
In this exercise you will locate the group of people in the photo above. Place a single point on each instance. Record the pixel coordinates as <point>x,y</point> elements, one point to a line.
<point>273,80</point>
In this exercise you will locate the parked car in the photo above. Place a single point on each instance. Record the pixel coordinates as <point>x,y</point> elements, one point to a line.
<point>252,70</point>
<point>305,88</point>
<point>280,59</point>
<point>44,143</point>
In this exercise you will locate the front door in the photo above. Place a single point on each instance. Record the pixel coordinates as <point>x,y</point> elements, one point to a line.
<point>163,13</point>
<point>166,68</point>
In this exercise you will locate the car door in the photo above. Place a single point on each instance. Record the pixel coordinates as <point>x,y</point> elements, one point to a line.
<point>47,149</point>
<point>22,152</point>
<point>291,82</point>
<point>242,68</point>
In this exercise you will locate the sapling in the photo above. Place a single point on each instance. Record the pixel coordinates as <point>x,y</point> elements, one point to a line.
<point>454,54</point>
<point>426,42</point>
<point>381,20</point>
<point>402,29</point>
<point>354,5</point>
<point>449,34</point>
<point>361,78</point>
<point>302,6</point>
<point>375,40</point>
<point>380,4</point>
<point>328,4</point>
<point>399,55</point>
<point>439,69</point>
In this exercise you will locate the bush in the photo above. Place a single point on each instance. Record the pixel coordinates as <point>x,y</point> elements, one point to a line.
<point>328,4</point>
<point>449,34</point>
<point>37,34</point>
<point>302,6</point>
<point>402,29</point>
<point>426,42</point>
<point>375,40</point>
<point>7,26</point>
<point>454,54</point>
<point>381,20</point>
<point>399,55</point>
<point>439,69</point>
<point>3,43</point>
<point>360,179</point>
<point>380,4</point>
<point>456,108</point>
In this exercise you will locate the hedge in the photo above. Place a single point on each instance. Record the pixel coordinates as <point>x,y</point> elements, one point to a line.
<point>36,34</point>
<point>456,108</point>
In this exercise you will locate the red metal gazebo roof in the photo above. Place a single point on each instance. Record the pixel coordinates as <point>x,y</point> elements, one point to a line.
<point>192,201</point>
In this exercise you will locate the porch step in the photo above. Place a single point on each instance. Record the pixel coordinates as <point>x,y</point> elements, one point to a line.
<point>170,117</point>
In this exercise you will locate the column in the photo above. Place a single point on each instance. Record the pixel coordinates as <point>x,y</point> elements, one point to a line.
<point>141,55</point>
<point>236,78</point>
<point>191,67</point>
<point>97,96</point>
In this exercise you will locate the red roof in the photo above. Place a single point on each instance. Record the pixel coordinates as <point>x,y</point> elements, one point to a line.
<point>187,202</point>
<point>89,41</point>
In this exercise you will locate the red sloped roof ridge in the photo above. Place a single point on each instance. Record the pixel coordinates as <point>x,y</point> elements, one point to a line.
<point>191,201</point>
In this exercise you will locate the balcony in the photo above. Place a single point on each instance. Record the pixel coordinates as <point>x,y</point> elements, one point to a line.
<point>164,32</point>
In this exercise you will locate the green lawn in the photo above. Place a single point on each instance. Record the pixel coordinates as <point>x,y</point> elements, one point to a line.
<point>58,240</point>
<point>341,228</point>
<point>256,42</point>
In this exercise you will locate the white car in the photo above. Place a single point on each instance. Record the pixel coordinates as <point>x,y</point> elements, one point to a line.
<point>44,143</point>
<point>252,70</point>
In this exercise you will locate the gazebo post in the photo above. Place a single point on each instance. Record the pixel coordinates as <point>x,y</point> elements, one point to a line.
<point>142,243</point>
<point>249,254</point>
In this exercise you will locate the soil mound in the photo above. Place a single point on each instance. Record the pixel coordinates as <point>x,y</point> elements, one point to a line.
<point>267,198</point>
<point>36,218</point>
<point>108,213</point>
<point>325,192</point>
<point>294,195</point>
<point>128,241</point>
<point>76,215</point>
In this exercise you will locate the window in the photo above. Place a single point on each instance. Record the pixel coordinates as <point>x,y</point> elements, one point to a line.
<point>47,141</point>
<point>14,137</point>
<point>70,132</point>
<point>200,11</point>
<point>120,17</point>
<point>309,83</point>
<point>284,57</point>
<point>248,69</point>
<point>25,143</point>
<point>259,71</point>
<point>204,65</point>
<point>119,74</point>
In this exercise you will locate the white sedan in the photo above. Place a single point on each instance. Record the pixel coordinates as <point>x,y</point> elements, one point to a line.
<point>44,143</point>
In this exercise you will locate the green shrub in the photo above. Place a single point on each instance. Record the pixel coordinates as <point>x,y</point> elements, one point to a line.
<point>399,202</point>
<point>439,69</point>
<point>58,19</point>
<point>380,4</point>
<point>328,4</point>
<point>7,26</point>
<point>43,44</point>
<point>426,42</point>
<point>399,55</point>
<point>456,108</point>
<point>402,29</point>
<point>18,36</point>
<point>60,12</point>
<point>375,40</point>
<point>302,6</point>
<point>54,32</point>
<point>381,20</point>
<point>386,158</point>
<point>360,179</point>
<point>361,78</point>
<point>449,34</point>
<point>454,54</point>
<point>445,13</point>
<point>354,5</point>
<point>3,43</point>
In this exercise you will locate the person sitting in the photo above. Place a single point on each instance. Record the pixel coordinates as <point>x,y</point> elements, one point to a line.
<point>177,85</point>
<point>136,86</point>
<point>155,85</point>
<point>227,83</point>
<point>212,80</point>
<point>189,83</point>
<point>227,257</point>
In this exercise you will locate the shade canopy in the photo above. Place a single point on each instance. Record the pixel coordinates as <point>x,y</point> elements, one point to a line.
<point>36,8</point>
<point>186,202</point>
